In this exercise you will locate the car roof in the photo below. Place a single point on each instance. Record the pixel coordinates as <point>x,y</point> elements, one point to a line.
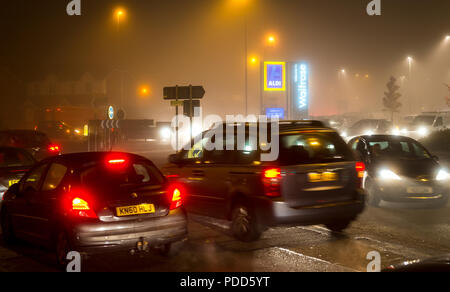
<point>291,126</point>
<point>77,160</point>
<point>385,137</point>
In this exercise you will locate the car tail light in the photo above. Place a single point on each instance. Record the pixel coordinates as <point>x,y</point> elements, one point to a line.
<point>54,148</point>
<point>116,162</point>
<point>272,182</point>
<point>176,199</point>
<point>80,206</point>
<point>360,170</point>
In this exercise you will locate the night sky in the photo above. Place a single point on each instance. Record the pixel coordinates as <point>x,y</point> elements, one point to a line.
<point>202,42</point>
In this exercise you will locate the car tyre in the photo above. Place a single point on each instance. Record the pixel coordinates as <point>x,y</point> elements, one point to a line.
<point>7,229</point>
<point>339,226</point>
<point>244,225</point>
<point>62,248</point>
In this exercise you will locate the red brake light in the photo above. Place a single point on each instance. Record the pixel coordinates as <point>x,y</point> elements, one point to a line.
<point>116,161</point>
<point>361,170</point>
<point>360,166</point>
<point>53,148</point>
<point>80,206</point>
<point>176,197</point>
<point>272,173</point>
<point>272,182</point>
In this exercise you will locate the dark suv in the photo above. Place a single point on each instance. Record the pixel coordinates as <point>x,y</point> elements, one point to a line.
<point>315,180</point>
<point>36,143</point>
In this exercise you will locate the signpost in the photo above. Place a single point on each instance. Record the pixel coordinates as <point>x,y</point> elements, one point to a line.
<point>182,95</point>
<point>184,92</point>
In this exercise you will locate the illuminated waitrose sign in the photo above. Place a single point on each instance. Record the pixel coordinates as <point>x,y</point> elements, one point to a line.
<point>274,76</point>
<point>301,89</point>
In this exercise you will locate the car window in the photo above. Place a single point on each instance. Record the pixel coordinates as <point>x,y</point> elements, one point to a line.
<point>308,148</point>
<point>246,153</point>
<point>15,158</point>
<point>398,149</point>
<point>196,153</point>
<point>136,173</point>
<point>54,177</point>
<point>33,178</point>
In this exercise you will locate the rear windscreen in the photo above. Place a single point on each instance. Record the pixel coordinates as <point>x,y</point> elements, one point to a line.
<point>315,147</point>
<point>135,173</point>
<point>14,158</point>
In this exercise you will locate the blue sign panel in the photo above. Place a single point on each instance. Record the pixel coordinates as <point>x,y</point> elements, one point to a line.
<point>274,76</point>
<point>272,113</point>
<point>300,90</point>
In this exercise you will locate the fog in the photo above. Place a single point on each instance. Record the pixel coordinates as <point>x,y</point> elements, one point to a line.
<point>202,42</point>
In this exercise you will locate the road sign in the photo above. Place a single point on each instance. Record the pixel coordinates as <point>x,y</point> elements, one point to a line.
<point>184,92</point>
<point>110,124</point>
<point>111,112</point>
<point>177,103</point>
<point>190,111</point>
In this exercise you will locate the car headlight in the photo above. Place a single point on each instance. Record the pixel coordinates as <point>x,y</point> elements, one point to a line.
<point>423,131</point>
<point>442,175</point>
<point>165,133</point>
<point>387,174</point>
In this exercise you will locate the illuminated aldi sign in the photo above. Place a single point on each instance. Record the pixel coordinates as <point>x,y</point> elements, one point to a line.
<point>300,90</point>
<point>274,76</point>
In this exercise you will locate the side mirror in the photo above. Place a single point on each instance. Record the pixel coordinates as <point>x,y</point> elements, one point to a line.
<point>175,159</point>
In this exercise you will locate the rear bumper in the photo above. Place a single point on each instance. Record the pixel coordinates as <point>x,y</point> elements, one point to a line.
<point>275,213</point>
<point>95,238</point>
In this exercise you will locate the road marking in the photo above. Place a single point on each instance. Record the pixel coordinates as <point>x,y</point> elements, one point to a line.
<point>291,252</point>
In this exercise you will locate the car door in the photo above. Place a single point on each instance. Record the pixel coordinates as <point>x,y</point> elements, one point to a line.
<point>218,164</point>
<point>21,215</point>
<point>191,174</point>
<point>43,206</point>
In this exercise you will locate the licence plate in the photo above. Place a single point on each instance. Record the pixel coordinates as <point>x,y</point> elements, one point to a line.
<point>419,190</point>
<point>135,210</point>
<point>322,177</point>
<point>13,181</point>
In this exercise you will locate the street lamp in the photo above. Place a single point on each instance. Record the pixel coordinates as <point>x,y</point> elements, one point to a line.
<point>271,40</point>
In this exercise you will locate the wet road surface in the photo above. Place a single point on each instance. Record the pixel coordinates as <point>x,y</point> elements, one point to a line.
<point>398,234</point>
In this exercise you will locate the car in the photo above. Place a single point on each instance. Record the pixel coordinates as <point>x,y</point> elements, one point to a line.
<point>315,180</point>
<point>14,163</point>
<point>368,127</point>
<point>425,124</point>
<point>401,170</point>
<point>36,143</point>
<point>95,203</point>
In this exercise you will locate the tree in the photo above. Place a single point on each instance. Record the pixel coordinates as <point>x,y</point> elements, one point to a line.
<point>391,97</point>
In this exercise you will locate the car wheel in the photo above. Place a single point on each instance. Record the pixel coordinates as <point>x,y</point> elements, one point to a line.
<point>7,229</point>
<point>372,197</point>
<point>244,224</point>
<point>62,248</point>
<point>339,226</point>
